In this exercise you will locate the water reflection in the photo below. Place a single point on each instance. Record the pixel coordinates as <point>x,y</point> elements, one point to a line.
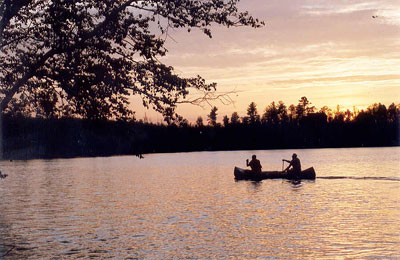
<point>255,186</point>
<point>176,206</point>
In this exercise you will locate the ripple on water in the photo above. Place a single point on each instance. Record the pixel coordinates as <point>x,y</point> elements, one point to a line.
<point>177,206</point>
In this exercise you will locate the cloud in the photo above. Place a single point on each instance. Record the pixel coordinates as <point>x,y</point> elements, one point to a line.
<point>333,52</point>
<point>327,8</point>
<point>383,11</point>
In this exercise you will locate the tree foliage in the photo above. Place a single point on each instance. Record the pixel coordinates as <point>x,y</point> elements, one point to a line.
<point>199,122</point>
<point>279,113</point>
<point>252,113</point>
<point>86,57</point>
<point>235,118</point>
<point>212,117</point>
<point>48,138</point>
<point>271,114</point>
<point>304,107</point>
<point>275,113</point>
<point>225,120</point>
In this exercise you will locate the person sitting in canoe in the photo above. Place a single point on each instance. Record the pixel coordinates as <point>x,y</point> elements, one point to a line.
<point>294,168</point>
<point>254,164</point>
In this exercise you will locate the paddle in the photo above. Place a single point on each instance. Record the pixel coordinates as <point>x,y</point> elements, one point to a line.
<point>283,162</point>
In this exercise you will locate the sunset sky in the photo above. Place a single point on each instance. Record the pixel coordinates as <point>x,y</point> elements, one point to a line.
<point>333,52</point>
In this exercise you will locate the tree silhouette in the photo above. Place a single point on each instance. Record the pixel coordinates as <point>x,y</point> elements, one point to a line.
<point>245,120</point>
<point>303,108</point>
<point>235,118</point>
<point>199,122</point>
<point>225,120</point>
<point>328,112</point>
<point>292,112</point>
<point>252,113</point>
<point>282,112</point>
<point>271,114</point>
<point>86,57</point>
<point>378,111</point>
<point>348,115</point>
<point>212,117</point>
<point>393,112</point>
<point>339,117</point>
<point>48,138</point>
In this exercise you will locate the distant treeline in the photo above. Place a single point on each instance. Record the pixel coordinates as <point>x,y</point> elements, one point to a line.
<point>278,128</point>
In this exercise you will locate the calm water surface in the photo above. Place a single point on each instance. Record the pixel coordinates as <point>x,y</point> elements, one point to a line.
<point>188,206</point>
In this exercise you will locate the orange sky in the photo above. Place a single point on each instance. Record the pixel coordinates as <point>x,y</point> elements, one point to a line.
<point>333,52</point>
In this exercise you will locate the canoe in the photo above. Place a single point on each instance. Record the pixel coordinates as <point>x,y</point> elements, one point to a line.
<point>245,174</point>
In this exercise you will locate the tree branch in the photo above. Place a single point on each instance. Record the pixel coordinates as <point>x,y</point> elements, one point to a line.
<point>33,68</point>
<point>207,97</point>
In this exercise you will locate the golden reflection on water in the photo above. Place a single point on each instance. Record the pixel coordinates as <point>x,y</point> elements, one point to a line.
<point>176,206</point>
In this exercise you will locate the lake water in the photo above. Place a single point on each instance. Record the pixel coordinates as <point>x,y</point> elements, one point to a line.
<point>188,206</point>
